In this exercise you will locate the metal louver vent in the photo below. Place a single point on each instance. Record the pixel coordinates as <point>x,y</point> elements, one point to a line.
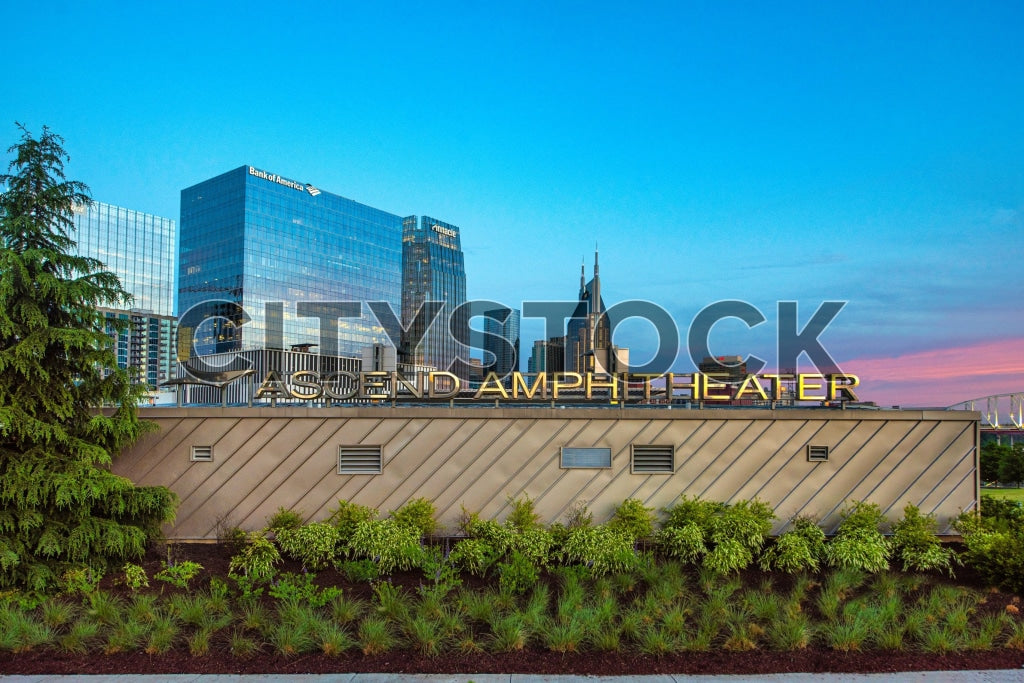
<point>202,453</point>
<point>817,453</point>
<point>359,459</point>
<point>653,459</point>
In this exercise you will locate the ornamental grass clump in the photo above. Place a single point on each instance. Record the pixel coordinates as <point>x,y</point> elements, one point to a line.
<point>799,549</point>
<point>390,544</point>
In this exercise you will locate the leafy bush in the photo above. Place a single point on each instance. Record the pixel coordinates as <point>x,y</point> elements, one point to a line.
<point>390,544</point>
<point>473,555</point>
<point>728,555</point>
<point>599,548</point>
<point>417,514</point>
<point>685,541</point>
<point>518,574</point>
<point>284,519</point>
<point>634,519</point>
<point>256,560</point>
<point>499,536</point>
<point>914,543</point>
<point>748,521</point>
<point>691,510</point>
<point>523,517</point>
<point>534,544</point>
<point>135,576</point>
<point>347,516</point>
<point>800,548</point>
<point>296,588</point>
<point>315,544</point>
<point>359,571</point>
<point>858,543</point>
<point>179,574</point>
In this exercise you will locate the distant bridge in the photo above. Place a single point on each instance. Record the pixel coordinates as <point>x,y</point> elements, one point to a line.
<point>1003,415</point>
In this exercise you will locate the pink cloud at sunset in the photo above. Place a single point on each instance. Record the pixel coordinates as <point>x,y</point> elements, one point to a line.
<point>941,377</point>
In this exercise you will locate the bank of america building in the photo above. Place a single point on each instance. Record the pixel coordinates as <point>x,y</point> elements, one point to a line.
<point>250,237</point>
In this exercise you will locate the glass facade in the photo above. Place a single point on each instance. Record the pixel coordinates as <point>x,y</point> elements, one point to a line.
<point>506,356</point>
<point>141,249</point>
<point>251,238</point>
<point>432,270</point>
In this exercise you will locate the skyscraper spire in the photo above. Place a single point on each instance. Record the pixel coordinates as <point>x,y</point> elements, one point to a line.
<point>583,278</point>
<point>595,305</point>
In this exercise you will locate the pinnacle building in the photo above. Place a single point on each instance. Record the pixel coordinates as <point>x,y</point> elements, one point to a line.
<point>433,270</point>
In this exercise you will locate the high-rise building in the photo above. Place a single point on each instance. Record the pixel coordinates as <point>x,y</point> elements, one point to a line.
<point>502,324</point>
<point>141,249</point>
<point>538,361</point>
<point>588,344</point>
<point>432,271</point>
<point>286,253</point>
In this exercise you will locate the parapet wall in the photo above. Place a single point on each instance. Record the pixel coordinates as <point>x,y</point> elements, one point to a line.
<point>476,458</point>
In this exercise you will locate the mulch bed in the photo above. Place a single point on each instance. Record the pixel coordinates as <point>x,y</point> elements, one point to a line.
<point>531,660</point>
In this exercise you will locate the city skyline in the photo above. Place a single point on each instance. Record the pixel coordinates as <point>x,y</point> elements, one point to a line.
<point>871,155</point>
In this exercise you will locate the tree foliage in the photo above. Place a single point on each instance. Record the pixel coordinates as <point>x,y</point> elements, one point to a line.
<point>60,506</point>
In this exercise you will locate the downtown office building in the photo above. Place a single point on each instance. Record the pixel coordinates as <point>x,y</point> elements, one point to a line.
<point>141,249</point>
<point>274,257</point>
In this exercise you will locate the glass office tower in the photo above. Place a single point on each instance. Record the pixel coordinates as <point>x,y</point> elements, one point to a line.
<point>139,248</point>
<point>432,270</point>
<point>251,238</point>
<point>502,323</point>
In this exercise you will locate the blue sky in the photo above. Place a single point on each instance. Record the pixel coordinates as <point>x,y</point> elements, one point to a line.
<point>797,151</point>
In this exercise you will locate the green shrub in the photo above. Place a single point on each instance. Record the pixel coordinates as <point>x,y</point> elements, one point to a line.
<point>997,555</point>
<point>535,544</point>
<point>255,562</point>
<point>284,519</point>
<point>135,576</point>
<point>798,549</point>
<point>600,549</point>
<point>391,545</point>
<point>315,544</point>
<point>473,555</point>
<point>685,542</point>
<point>633,519</point>
<point>417,514</point>
<point>347,516</point>
<point>517,575</point>
<point>179,574</point>
<point>359,571</point>
<point>523,517</point>
<point>748,522</point>
<point>915,544</point>
<point>691,510</point>
<point>499,536</point>
<point>297,588</point>
<point>728,555</point>
<point>858,543</point>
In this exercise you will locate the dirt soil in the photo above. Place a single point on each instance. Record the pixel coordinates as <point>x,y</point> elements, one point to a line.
<point>531,660</point>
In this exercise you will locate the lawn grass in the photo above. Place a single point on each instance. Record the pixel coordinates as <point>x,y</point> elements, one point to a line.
<point>1009,494</point>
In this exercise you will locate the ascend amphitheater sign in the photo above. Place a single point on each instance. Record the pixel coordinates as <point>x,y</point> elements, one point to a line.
<point>697,386</point>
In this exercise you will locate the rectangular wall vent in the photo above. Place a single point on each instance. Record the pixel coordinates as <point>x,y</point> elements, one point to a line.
<point>359,459</point>
<point>202,453</point>
<point>651,459</point>
<point>817,453</point>
<point>586,457</point>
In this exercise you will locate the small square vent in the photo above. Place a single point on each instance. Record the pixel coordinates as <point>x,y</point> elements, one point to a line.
<point>202,454</point>
<point>817,453</point>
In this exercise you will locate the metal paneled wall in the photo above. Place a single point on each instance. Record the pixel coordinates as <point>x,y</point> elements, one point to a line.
<point>478,458</point>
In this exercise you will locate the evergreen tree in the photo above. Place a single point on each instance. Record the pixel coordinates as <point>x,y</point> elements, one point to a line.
<point>60,506</point>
